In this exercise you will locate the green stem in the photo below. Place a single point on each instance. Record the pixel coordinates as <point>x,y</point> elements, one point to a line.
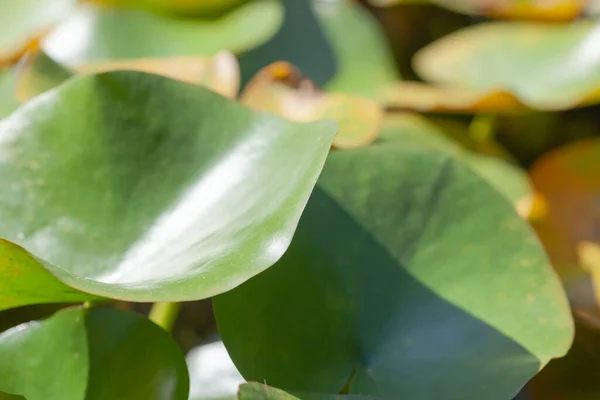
<point>165,314</point>
<point>482,127</point>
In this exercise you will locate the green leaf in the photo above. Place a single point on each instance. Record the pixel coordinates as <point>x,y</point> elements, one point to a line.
<point>546,66</point>
<point>365,63</point>
<point>100,33</point>
<point>257,391</point>
<point>408,277</point>
<point>300,41</point>
<point>414,130</point>
<point>142,188</point>
<point>40,73</point>
<point>92,354</point>
<point>8,84</point>
<point>23,21</point>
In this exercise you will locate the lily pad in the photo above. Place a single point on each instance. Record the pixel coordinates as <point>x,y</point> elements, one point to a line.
<point>280,88</point>
<point>92,354</point>
<point>97,33</point>
<point>142,188</point>
<point>422,97</point>
<point>399,283</point>
<point>257,391</point>
<point>24,22</point>
<point>365,64</point>
<point>509,179</point>
<point>546,10</point>
<point>545,66</point>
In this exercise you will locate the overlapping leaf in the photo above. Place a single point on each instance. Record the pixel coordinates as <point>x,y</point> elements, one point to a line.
<point>92,354</point>
<point>138,187</point>
<point>409,276</point>
<point>280,88</point>
<point>219,73</point>
<point>545,66</point>
<point>546,10</point>
<point>365,65</point>
<point>24,22</point>
<point>257,391</point>
<point>96,33</point>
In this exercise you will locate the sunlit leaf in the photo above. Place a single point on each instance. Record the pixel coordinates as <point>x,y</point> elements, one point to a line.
<point>138,187</point>
<point>97,33</point>
<point>429,98</point>
<point>24,22</point>
<point>545,10</point>
<point>213,376</point>
<point>569,181</point>
<point>219,73</point>
<point>182,7</point>
<point>409,276</point>
<point>545,66</point>
<point>94,354</point>
<point>280,88</point>
<point>365,64</point>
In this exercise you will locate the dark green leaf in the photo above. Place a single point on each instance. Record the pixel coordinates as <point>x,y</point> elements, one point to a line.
<point>410,277</point>
<point>138,187</point>
<point>300,41</point>
<point>105,31</point>
<point>92,354</point>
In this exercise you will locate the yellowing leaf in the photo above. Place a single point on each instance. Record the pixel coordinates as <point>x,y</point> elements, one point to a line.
<point>545,66</point>
<point>428,98</point>
<point>280,88</point>
<point>220,73</point>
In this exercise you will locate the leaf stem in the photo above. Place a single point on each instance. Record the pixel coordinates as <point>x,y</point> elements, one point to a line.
<point>165,314</point>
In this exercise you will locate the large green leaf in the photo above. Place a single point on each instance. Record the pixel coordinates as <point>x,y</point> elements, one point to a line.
<point>409,277</point>
<point>98,33</point>
<point>365,65</point>
<point>300,41</point>
<point>8,84</point>
<point>92,354</point>
<point>546,66</point>
<point>257,391</point>
<point>23,21</point>
<point>414,130</point>
<point>143,188</point>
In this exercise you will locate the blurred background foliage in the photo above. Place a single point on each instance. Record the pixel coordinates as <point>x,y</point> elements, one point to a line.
<point>510,86</point>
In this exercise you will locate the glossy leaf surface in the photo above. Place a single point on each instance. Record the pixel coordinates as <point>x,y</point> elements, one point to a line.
<point>105,30</point>
<point>92,354</point>
<point>138,187</point>
<point>546,66</point>
<point>365,65</point>
<point>402,282</point>
<point>25,21</point>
